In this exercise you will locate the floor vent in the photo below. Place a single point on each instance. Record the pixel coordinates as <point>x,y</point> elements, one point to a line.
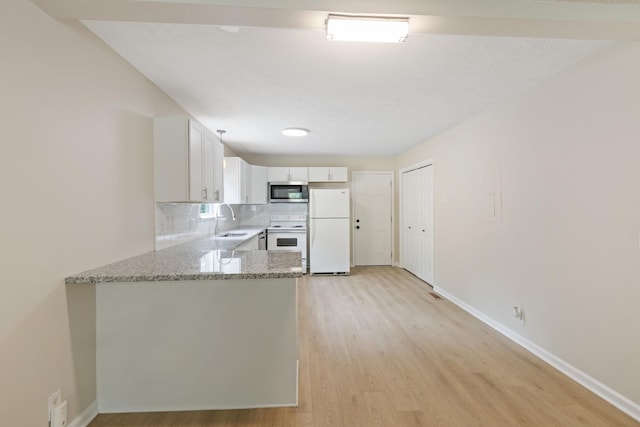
<point>436,296</point>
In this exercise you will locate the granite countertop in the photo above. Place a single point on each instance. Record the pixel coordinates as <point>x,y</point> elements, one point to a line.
<point>207,258</point>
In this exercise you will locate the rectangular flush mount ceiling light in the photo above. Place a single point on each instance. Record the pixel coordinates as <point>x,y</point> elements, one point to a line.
<point>367,28</point>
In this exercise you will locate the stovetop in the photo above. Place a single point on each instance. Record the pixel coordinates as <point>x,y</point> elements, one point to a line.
<point>287,227</point>
<point>288,223</point>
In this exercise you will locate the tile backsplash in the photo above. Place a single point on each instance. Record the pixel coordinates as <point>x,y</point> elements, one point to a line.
<point>180,222</point>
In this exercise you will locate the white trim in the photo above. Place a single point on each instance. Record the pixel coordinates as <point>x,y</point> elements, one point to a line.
<point>86,416</point>
<point>297,381</point>
<point>613,397</point>
<point>183,408</point>
<point>393,219</point>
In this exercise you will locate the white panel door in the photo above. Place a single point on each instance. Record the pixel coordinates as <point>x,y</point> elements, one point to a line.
<point>417,222</point>
<point>372,205</point>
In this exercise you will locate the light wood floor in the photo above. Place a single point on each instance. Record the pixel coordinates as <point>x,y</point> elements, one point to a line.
<point>376,349</point>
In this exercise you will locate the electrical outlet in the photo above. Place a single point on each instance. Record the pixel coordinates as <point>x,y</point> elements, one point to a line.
<point>54,400</point>
<point>59,415</point>
<point>518,313</point>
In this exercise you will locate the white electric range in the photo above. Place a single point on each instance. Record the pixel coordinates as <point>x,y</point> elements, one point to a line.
<point>288,232</point>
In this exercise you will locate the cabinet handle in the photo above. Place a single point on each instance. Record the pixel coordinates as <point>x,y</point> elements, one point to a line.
<point>216,195</point>
<point>205,193</point>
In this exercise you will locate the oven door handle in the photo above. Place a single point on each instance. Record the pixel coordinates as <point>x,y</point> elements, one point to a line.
<point>278,231</point>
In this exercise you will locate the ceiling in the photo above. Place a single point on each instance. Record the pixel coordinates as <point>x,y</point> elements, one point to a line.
<point>254,67</point>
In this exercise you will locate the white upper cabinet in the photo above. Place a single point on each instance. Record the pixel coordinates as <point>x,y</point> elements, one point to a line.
<point>237,181</point>
<point>278,174</point>
<point>258,184</point>
<point>184,161</point>
<point>218,170</point>
<point>299,174</point>
<point>328,174</point>
<point>288,174</point>
<point>207,168</point>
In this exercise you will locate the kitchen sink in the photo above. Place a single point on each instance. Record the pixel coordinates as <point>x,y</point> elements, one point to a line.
<point>231,234</point>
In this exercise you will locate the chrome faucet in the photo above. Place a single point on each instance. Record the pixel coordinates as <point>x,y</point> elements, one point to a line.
<point>233,216</point>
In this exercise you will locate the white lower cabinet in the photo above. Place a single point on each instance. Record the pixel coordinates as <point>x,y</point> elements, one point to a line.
<point>250,245</point>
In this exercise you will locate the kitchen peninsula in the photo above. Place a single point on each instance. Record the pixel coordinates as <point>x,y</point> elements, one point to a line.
<point>196,326</point>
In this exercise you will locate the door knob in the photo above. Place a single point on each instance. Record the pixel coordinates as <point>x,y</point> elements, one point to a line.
<point>357,227</point>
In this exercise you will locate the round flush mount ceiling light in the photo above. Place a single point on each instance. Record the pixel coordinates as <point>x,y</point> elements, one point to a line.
<point>295,132</point>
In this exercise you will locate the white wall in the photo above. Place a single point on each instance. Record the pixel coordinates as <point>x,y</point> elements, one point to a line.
<point>567,246</point>
<point>76,192</point>
<point>353,163</point>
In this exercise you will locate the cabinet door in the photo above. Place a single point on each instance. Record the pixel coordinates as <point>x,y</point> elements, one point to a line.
<point>250,245</point>
<point>278,174</point>
<point>208,172</point>
<point>232,188</point>
<point>298,174</point>
<point>171,159</point>
<point>245,182</point>
<point>184,153</point>
<point>258,184</point>
<point>237,181</point>
<point>339,174</point>
<point>318,174</point>
<point>196,142</point>
<point>218,171</point>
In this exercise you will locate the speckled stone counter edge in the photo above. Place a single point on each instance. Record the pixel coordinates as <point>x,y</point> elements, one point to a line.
<point>182,263</point>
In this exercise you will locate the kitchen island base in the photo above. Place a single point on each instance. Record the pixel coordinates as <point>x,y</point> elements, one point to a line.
<point>196,345</point>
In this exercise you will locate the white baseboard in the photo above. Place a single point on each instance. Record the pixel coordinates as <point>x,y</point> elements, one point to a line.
<point>616,399</point>
<point>86,416</point>
<point>184,408</point>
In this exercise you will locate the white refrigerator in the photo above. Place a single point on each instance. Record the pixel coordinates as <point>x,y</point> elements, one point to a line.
<point>329,248</point>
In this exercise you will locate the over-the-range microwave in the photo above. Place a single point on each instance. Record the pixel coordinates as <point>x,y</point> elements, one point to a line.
<point>288,192</point>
